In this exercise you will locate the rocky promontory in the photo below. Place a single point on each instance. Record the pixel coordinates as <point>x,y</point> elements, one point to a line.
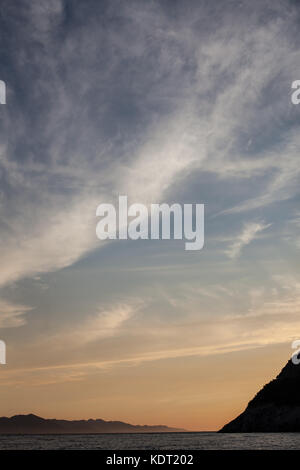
<point>275,408</point>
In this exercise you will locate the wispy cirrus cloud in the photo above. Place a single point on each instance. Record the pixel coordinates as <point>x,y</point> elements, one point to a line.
<point>12,315</point>
<point>137,128</point>
<point>249,233</point>
<point>109,321</point>
<point>125,97</point>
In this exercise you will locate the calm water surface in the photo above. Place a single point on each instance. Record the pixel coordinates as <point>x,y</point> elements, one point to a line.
<point>197,440</point>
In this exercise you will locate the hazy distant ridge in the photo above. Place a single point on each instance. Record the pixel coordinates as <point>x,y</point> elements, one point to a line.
<point>32,424</point>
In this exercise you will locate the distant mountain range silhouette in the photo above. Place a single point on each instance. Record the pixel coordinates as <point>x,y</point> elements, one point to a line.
<point>275,408</point>
<point>32,424</point>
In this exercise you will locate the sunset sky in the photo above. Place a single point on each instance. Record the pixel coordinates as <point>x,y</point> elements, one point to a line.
<point>162,101</point>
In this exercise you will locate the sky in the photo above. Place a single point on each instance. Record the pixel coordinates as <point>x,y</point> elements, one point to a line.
<point>165,102</point>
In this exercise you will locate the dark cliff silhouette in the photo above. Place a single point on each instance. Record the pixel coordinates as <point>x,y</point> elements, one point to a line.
<point>32,424</point>
<point>275,408</point>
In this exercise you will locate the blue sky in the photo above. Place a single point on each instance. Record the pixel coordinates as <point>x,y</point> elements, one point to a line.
<point>186,102</point>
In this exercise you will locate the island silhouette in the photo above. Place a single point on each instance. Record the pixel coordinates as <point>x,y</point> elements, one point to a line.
<point>275,408</point>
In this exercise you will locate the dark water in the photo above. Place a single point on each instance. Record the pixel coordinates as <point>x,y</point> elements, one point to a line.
<point>197,440</point>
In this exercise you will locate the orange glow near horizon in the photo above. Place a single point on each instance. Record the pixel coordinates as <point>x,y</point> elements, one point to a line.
<point>194,393</point>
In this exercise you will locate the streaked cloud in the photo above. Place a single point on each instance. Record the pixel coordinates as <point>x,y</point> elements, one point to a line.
<point>162,103</point>
<point>12,315</point>
<point>249,233</point>
<point>109,321</point>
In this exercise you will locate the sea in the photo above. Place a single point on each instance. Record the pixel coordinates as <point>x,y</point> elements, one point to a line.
<point>153,441</point>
